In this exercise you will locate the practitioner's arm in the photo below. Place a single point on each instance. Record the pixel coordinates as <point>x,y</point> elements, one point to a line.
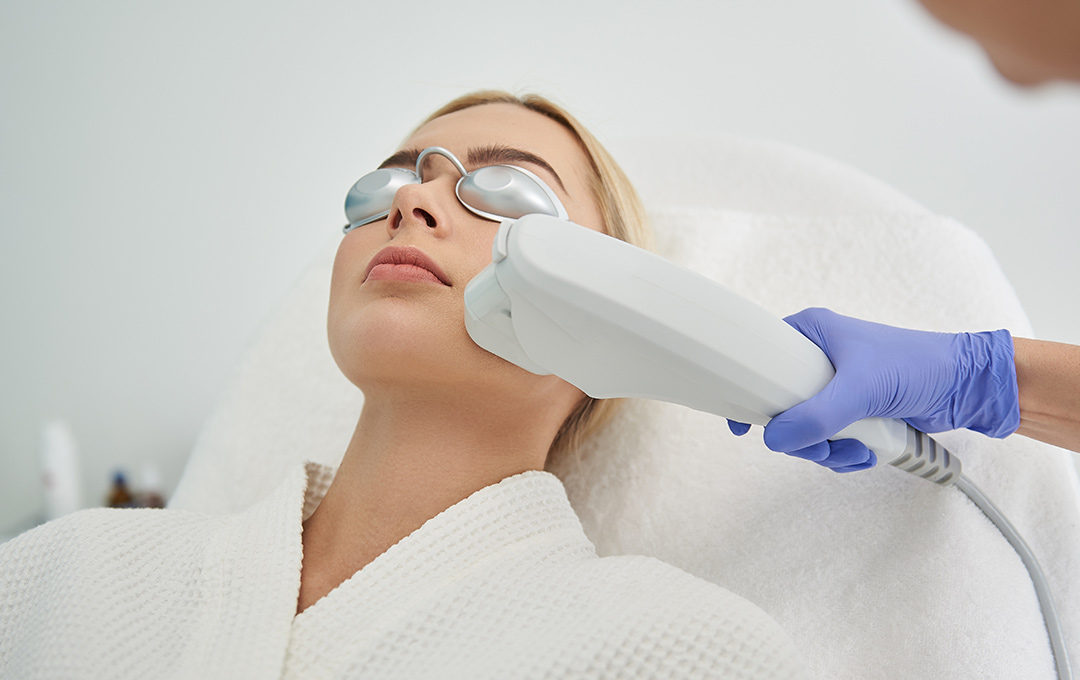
<point>1048,378</point>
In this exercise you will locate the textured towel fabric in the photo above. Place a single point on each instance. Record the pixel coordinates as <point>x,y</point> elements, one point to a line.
<point>874,575</point>
<point>110,593</point>
<point>503,584</point>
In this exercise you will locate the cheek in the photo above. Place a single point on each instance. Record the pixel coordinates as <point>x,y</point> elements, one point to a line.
<point>587,214</point>
<point>413,330</point>
<point>353,253</point>
<point>358,246</point>
<point>475,254</point>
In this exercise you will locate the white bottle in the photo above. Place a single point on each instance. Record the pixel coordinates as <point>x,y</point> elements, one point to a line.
<point>60,469</point>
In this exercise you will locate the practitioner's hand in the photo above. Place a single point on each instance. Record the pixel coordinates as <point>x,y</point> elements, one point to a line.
<point>934,381</point>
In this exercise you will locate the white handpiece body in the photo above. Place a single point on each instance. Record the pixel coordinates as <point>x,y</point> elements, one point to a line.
<point>618,321</point>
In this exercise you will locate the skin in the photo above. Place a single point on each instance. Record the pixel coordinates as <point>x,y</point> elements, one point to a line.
<point>442,418</point>
<point>1028,41</point>
<point>1048,378</point>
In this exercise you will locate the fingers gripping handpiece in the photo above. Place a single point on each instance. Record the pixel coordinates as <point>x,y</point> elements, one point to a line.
<point>617,321</point>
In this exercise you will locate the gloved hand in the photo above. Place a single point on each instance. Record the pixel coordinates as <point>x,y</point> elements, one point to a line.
<point>934,381</point>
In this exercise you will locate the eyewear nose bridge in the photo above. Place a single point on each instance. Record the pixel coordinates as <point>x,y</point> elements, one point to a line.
<point>445,153</point>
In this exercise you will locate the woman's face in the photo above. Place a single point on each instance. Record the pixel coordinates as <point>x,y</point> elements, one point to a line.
<point>402,328</point>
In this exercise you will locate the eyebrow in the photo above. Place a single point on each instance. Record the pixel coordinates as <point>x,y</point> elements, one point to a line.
<point>480,156</point>
<point>406,157</point>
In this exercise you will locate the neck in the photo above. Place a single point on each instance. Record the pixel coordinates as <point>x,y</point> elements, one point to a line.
<point>410,458</point>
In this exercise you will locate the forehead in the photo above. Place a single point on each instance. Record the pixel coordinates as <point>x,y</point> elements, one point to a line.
<point>505,124</point>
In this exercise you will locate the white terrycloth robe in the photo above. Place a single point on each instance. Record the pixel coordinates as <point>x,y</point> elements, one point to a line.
<point>502,584</point>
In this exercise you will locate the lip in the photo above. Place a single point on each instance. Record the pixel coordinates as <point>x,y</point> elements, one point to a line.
<point>409,255</point>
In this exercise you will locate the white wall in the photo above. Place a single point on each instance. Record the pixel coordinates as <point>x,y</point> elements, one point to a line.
<point>167,169</point>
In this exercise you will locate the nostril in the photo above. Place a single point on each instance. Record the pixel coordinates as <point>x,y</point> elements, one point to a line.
<point>422,214</point>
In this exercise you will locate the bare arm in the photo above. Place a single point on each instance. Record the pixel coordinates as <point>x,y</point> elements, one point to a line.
<point>1048,378</point>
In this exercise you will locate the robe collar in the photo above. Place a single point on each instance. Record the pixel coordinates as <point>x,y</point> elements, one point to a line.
<point>251,573</point>
<point>525,509</point>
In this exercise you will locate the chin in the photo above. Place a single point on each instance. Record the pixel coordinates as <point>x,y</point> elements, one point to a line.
<point>394,341</point>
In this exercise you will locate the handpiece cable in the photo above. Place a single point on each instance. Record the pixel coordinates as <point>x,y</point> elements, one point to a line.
<point>928,459</point>
<point>1042,588</point>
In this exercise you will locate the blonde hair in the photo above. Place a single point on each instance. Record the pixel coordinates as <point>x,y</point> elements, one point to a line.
<point>622,213</point>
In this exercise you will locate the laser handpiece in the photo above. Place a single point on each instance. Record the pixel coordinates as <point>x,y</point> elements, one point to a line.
<point>618,321</point>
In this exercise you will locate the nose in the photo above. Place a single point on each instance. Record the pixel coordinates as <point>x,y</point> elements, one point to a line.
<point>420,206</point>
<point>427,205</point>
<point>418,215</point>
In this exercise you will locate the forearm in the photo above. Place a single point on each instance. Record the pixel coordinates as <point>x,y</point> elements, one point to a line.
<point>1048,378</point>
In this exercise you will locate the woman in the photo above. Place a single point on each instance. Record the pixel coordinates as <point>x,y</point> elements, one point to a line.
<point>439,548</point>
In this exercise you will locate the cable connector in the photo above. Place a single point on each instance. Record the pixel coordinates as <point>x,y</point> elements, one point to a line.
<point>924,457</point>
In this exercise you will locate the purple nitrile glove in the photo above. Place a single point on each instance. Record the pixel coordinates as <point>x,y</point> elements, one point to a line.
<point>934,381</point>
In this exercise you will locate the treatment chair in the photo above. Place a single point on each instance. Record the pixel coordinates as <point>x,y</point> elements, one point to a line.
<point>875,574</point>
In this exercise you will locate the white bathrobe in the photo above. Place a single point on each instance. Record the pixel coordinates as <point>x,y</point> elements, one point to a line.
<point>502,584</point>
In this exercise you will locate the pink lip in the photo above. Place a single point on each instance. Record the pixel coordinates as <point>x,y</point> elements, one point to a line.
<point>404,263</point>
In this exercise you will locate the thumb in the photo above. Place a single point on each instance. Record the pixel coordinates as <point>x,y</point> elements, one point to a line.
<point>812,421</point>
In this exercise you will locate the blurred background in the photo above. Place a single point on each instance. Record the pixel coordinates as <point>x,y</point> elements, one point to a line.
<point>167,170</point>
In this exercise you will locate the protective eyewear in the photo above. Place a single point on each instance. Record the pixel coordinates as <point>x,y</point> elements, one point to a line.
<point>494,192</point>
